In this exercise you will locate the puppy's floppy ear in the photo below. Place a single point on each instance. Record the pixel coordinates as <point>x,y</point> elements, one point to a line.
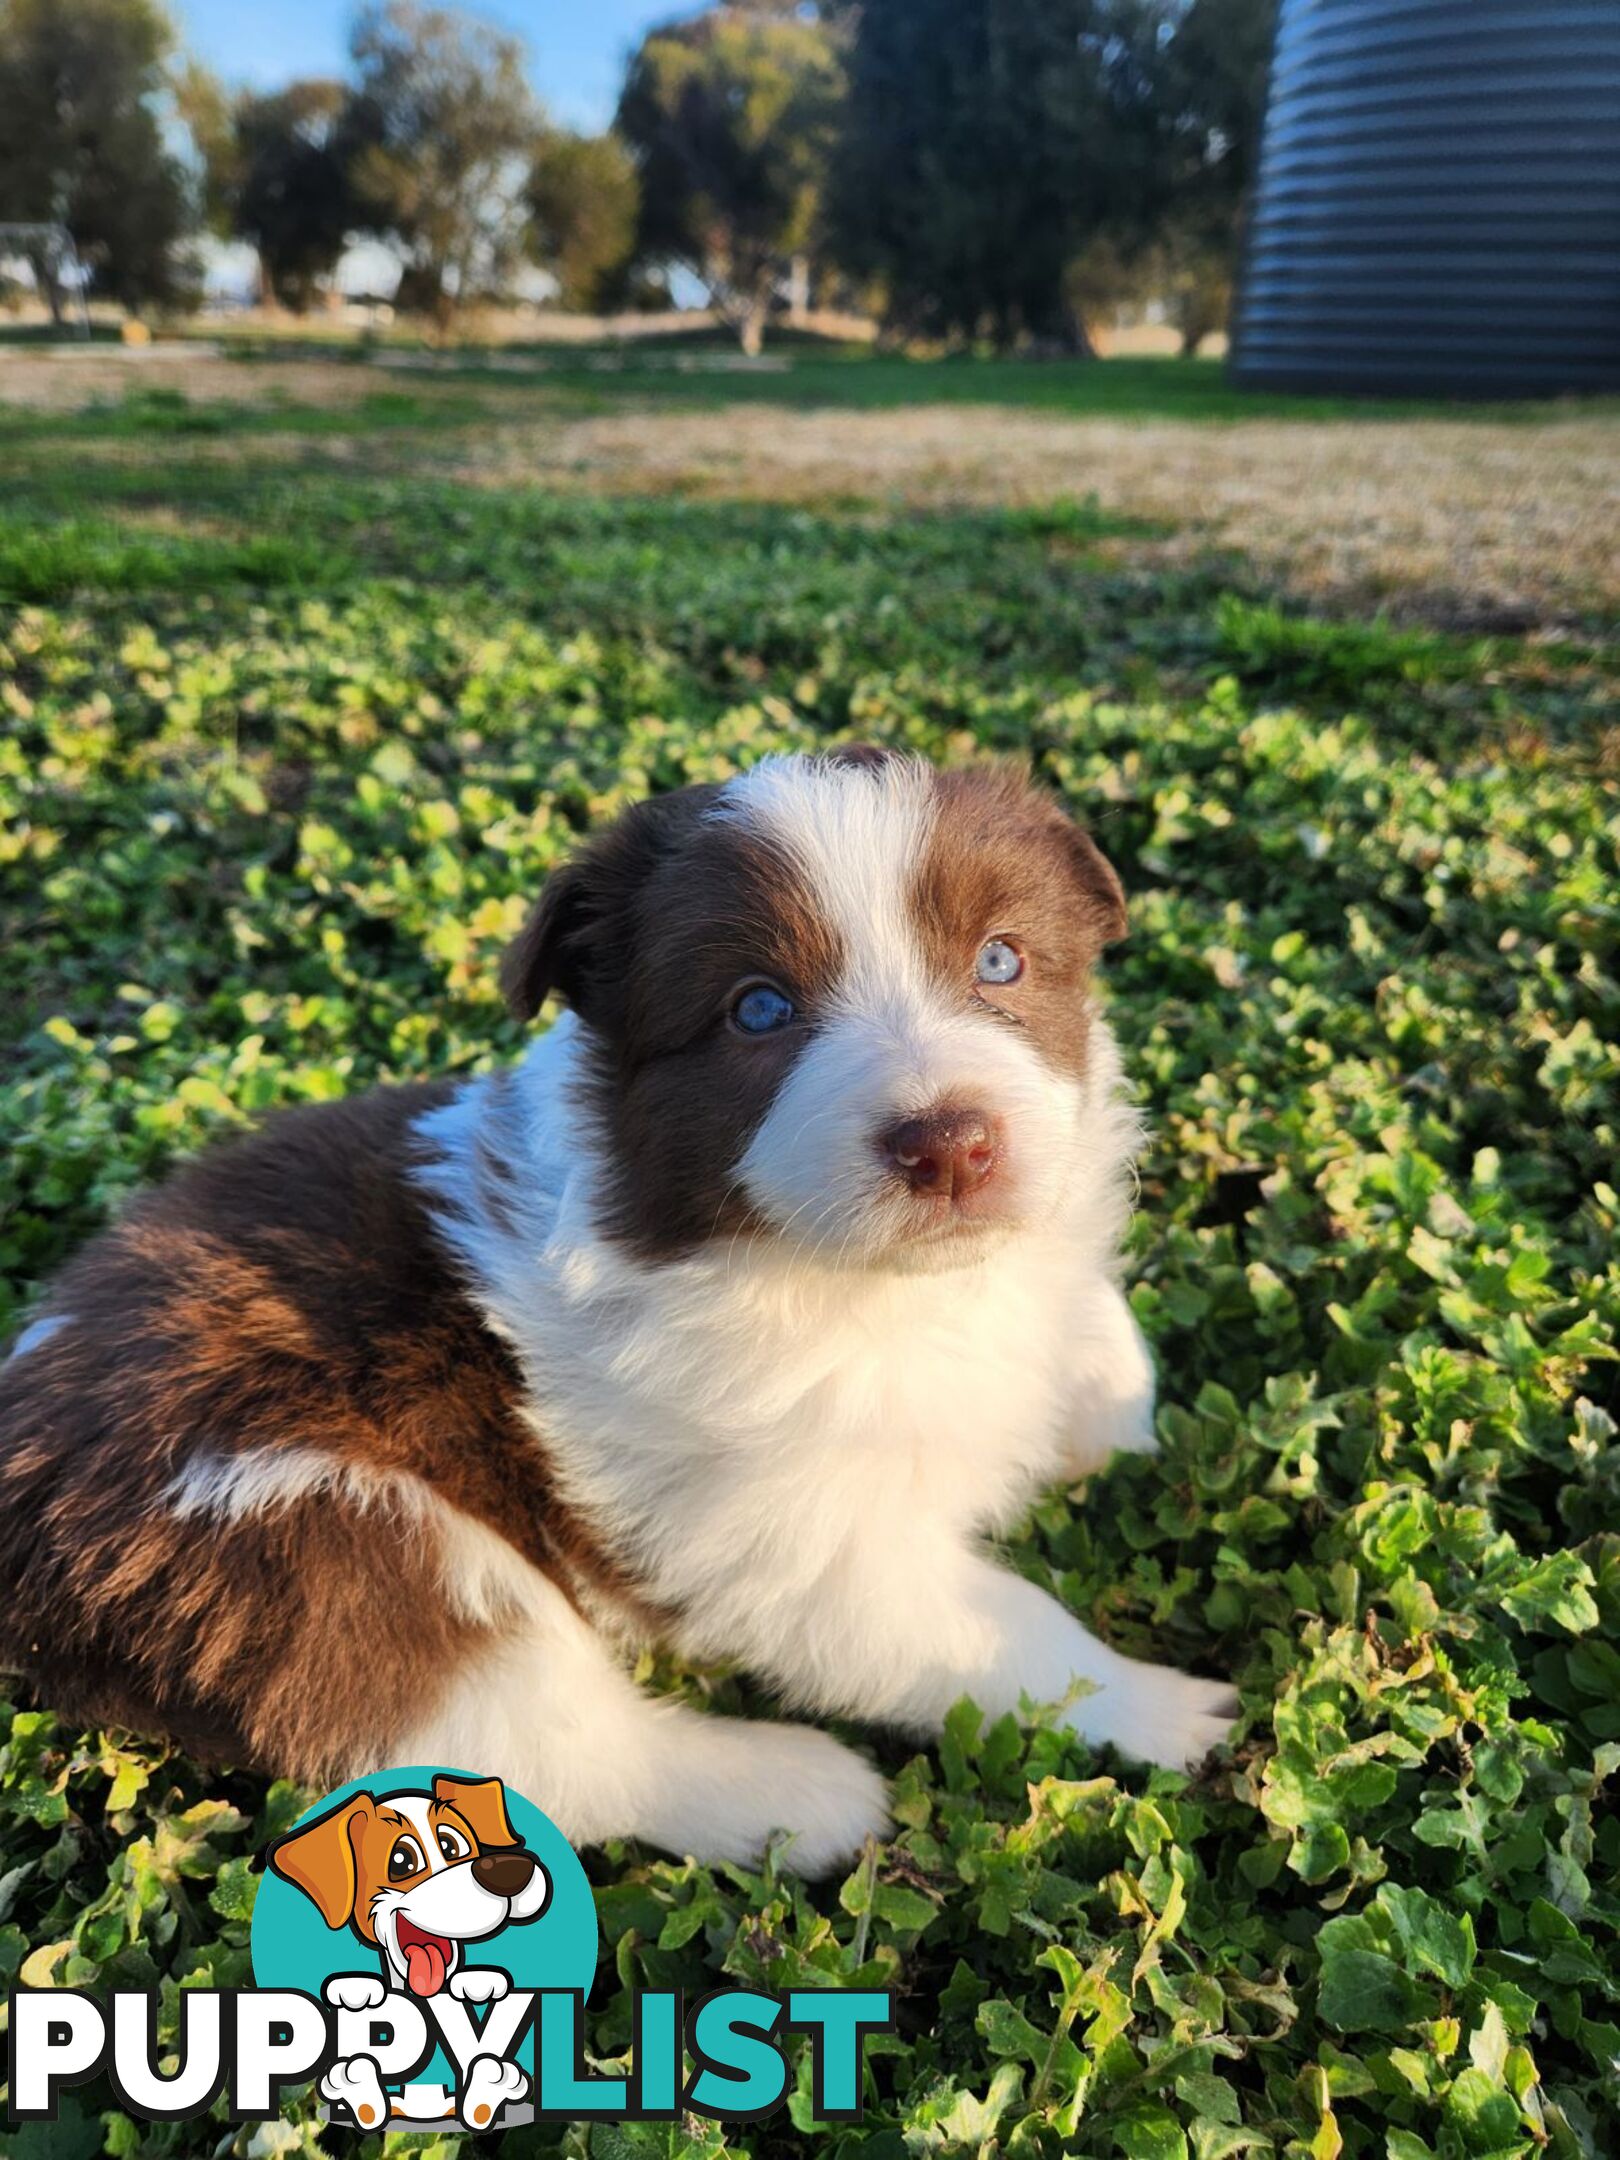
<point>1101,891</point>
<point>1011,806</point>
<point>481,1803</point>
<point>575,941</point>
<point>319,1858</point>
<point>541,957</point>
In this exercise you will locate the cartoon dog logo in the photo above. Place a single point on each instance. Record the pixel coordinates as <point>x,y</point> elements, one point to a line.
<point>415,1875</point>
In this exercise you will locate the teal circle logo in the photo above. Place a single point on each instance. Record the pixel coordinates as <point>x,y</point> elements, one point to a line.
<point>414,1903</point>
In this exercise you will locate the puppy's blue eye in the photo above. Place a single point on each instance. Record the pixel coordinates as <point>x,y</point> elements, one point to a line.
<point>999,962</point>
<point>763,1009</point>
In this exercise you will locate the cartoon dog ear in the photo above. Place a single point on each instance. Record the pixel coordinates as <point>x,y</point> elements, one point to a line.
<point>319,1858</point>
<point>481,1803</point>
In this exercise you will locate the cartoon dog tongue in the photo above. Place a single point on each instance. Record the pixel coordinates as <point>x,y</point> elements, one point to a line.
<point>424,1966</point>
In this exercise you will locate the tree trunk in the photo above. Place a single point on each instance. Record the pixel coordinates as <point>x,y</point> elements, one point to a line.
<point>750,327</point>
<point>1077,334</point>
<point>1067,339</point>
<point>799,289</point>
<point>44,277</point>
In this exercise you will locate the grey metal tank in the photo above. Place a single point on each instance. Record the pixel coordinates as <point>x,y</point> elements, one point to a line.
<point>1437,205</point>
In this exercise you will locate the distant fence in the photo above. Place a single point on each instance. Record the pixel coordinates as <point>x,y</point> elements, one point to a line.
<point>1437,207</point>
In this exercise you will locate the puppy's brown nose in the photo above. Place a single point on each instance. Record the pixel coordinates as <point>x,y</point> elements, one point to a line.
<point>504,1874</point>
<point>945,1153</point>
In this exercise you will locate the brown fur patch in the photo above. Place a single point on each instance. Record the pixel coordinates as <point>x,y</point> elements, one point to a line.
<point>1004,861</point>
<point>285,1292</point>
<point>649,932</point>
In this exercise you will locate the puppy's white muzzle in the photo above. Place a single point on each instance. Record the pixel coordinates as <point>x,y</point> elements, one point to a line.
<point>840,1162</point>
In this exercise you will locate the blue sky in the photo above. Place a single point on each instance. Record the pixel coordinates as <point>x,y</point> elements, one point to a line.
<point>577,48</point>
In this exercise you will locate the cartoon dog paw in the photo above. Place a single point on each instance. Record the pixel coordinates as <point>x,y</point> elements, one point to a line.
<point>356,2085</point>
<point>354,1991</point>
<point>480,1984</point>
<point>491,2085</point>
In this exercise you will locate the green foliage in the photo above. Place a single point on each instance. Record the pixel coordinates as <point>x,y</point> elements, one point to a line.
<point>730,117</point>
<point>261,842</point>
<point>584,198</point>
<point>91,555</point>
<point>994,153</point>
<point>81,140</point>
<point>289,189</point>
<point>440,113</point>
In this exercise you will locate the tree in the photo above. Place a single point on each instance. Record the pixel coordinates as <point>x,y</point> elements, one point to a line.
<point>293,199</point>
<point>1214,90</point>
<point>82,142</point>
<point>991,145</point>
<point>1215,67</point>
<point>980,143</point>
<point>275,174</point>
<point>1186,268</point>
<point>731,118</point>
<point>436,138</point>
<point>205,105</point>
<point>584,201</point>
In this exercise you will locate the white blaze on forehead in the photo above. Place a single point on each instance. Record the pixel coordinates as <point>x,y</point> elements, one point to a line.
<point>417,1809</point>
<point>896,1036</point>
<point>855,834</point>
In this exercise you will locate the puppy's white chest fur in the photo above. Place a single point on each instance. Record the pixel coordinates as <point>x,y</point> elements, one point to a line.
<point>754,1432</point>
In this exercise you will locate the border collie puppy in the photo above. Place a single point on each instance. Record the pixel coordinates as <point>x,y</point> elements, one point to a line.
<point>778,1274</point>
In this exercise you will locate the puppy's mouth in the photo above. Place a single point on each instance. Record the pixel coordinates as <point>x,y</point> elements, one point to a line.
<point>427,1956</point>
<point>932,1218</point>
<point>959,1241</point>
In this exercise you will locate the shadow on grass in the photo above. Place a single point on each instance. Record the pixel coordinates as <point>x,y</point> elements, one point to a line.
<point>692,376</point>
<point>699,372</point>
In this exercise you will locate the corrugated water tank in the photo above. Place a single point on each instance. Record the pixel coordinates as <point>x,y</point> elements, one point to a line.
<point>1437,205</point>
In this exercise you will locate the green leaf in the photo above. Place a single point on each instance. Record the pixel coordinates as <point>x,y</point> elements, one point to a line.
<point>1432,1938</point>
<point>1555,1593</point>
<point>901,1908</point>
<point>1150,2133</point>
<point>1363,1989</point>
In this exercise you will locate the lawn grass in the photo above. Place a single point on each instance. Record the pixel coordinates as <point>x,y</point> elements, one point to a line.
<point>287,745</point>
<point>706,373</point>
<point>162,410</point>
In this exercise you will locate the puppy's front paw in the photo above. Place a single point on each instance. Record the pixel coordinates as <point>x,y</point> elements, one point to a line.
<point>479,1984</point>
<point>1112,1386</point>
<point>354,1991</point>
<point>1102,1428</point>
<point>491,2085</point>
<point>1158,1715</point>
<point>355,2085</point>
<point>830,1801</point>
<point>751,1783</point>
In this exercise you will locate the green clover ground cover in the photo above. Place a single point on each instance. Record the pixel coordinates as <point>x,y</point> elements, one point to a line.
<point>261,837</point>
